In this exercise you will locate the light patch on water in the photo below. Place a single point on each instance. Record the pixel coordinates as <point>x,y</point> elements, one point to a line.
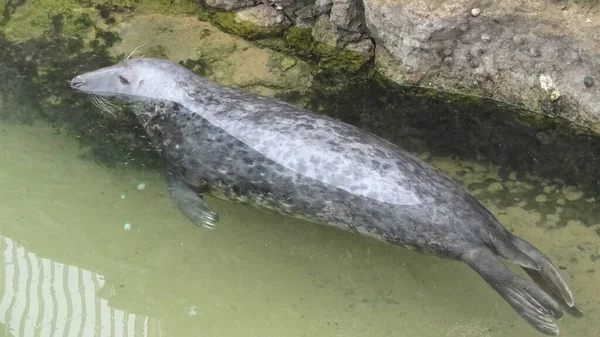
<point>42,297</point>
<point>260,274</point>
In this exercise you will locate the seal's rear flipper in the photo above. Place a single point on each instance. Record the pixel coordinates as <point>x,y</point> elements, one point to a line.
<point>548,277</point>
<point>191,203</point>
<point>532,303</point>
<point>507,249</point>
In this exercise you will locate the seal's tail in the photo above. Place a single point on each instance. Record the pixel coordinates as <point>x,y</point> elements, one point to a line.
<point>532,303</point>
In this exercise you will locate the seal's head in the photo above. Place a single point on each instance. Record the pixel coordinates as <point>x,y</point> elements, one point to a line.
<point>135,79</point>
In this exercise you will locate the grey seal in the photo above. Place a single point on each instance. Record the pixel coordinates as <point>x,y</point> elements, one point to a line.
<point>263,152</point>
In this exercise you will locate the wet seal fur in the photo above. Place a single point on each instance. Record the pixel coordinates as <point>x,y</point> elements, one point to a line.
<point>269,154</point>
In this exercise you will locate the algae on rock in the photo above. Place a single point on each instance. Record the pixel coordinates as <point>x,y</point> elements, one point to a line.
<point>223,58</point>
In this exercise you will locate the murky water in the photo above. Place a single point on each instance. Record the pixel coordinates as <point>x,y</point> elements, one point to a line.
<point>70,266</point>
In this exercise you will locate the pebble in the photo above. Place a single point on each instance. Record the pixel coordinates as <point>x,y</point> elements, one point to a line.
<point>191,311</point>
<point>486,38</point>
<point>535,52</point>
<point>475,11</point>
<point>518,39</point>
<point>127,226</point>
<point>588,81</point>
<point>141,186</point>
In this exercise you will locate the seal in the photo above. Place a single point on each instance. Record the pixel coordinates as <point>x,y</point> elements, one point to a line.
<point>266,153</point>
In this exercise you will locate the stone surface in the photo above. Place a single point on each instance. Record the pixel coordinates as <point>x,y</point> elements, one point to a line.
<point>324,31</point>
<point>344,14</point>
<point>534,53</point>
<point>264,16</point>
<point>322,6</point>
<point>365,46</point>
<point>230,4</point>
<point>304,17</point>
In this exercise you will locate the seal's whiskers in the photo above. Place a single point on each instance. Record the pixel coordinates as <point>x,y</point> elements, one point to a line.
<point>133,52</point>
<point>104,105</point>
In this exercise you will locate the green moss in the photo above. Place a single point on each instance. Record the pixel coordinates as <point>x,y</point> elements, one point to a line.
<point>332,60</point>
<point>226,21</point>
<point>37,17</point>
<point>287,62</point>
<point>346,61</point>
<point>299,41</point>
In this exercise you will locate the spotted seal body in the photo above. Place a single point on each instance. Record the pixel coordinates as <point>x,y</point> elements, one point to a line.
<point>263,152</point>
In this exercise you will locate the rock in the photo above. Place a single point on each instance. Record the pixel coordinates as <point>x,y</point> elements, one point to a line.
<point>230,4</point>
<point>588,81</point>
<point>364,47</point>
<point>325,32</point>
<point>502,54</point>
<point>272,21</point>
<point>547,84</point>
<point>349,37</point>
<point>322,6</point>
<point>344,14</point>
<point>304,17</point>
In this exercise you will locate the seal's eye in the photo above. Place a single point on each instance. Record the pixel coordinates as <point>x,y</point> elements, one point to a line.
<point>123,80</point>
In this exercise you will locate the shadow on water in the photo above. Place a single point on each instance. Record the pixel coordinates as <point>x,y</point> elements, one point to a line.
<point>256,274</point>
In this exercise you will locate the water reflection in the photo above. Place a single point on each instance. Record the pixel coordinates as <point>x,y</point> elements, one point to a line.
<point>43,297</point>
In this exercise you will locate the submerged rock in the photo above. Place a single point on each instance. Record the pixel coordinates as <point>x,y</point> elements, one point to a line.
<point>221,57</point>
<point>269,20</point>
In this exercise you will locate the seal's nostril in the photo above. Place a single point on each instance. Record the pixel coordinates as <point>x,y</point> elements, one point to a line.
<point>76,82</point>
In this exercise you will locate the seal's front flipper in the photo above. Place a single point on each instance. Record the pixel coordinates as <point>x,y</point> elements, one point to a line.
<point>532,303</point>
<point>191,203</point>
<point>548,277</point>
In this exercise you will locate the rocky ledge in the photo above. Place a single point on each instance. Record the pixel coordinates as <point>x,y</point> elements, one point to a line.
<point>542,55</point>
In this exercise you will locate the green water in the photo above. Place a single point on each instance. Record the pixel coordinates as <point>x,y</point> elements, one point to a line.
<point>69,267</point>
